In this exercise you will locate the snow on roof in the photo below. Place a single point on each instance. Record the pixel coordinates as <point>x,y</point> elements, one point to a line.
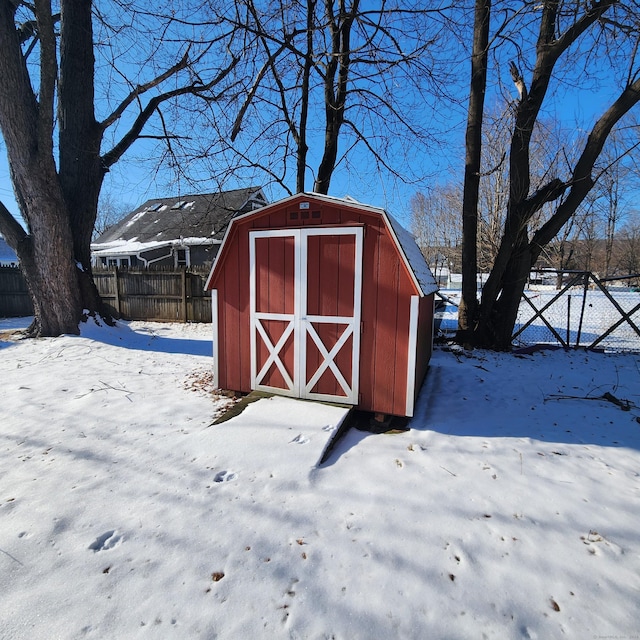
<point>414,257</point>
<point>133,246</point>
<point>172,218</point>
<point>135,218</point>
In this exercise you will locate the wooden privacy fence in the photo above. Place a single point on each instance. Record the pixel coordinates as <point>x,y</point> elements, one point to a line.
<point>14,295</point>
<point>157,295</point>
<point>131,294</point>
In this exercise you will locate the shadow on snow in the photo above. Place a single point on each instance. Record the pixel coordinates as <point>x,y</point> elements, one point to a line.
<point>555,397</point>
<point>146,338</point>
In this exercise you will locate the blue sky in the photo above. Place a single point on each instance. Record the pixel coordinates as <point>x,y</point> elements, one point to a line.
<point>133,180</point>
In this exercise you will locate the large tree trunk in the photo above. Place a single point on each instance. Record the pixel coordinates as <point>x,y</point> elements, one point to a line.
<point>46,254</point>
<point>46,250</point>
<point>81,168</point>
<point>53,287</point>
<point>473,146</point>
<point>59,204</point>
<point>501,300</point>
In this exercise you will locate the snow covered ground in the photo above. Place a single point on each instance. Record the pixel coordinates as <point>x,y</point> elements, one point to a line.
<point>508,510</point>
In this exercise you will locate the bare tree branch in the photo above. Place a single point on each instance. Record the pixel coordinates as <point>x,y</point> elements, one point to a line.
<point>582,180</point>
<point>518,80</point>
<point>318,61</point>
<point>112,156</point>
<point>13,233</point>
<point>138,91</point>
<point>48,73</point>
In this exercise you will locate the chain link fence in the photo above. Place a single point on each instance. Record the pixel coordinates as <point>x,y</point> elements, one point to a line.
<point>585,312</point>
<point>569,309</point>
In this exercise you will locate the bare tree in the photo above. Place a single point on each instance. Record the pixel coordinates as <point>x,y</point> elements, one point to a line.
<point>629,246</point>
<point>48,69</point>
<point>111,209</point>
<point>473,154</point>
<point>547,141</point>
<point>332,75</point>
<point>564,33</point>
<point>436,224</point>
<point>493,186</point>
<point>616,178</point>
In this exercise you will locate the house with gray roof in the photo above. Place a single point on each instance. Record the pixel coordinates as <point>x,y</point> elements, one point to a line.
<point>184,230</point>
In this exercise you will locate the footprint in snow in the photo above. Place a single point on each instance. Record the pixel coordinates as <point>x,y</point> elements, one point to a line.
<point>225,476</point>
<point>299,439</point>
<point>108,540</point>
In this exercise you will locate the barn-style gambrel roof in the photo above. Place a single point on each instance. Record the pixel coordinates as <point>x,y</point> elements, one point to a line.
<point>405,242</point>
<point>189,219</point>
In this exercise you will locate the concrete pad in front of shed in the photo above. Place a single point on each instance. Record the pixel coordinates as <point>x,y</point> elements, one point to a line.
<point>282,433</point>
<point>238,407</point>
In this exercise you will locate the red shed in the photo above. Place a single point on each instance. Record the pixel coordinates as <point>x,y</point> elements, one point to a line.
<point>322,298</point>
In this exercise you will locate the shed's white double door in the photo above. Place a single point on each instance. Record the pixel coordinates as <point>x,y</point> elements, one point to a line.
<point>305,311</point>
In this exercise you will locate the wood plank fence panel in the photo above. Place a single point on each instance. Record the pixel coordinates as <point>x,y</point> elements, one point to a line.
<point>14,295</point>
<point>156,295</point>
<point>177,295</point>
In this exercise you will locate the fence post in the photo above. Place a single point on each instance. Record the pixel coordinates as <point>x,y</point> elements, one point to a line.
<point>190,313</point>
<point>584,302</point>
<point>117,290</point>
<point>183,282</point>
<point>569,320</point>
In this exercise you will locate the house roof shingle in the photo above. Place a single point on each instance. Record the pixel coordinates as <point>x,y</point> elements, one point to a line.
<point>200,216</point>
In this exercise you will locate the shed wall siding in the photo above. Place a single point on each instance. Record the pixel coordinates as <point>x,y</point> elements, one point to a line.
<point>233,319</point>
<point>386,307</point>
<point>425,340</point>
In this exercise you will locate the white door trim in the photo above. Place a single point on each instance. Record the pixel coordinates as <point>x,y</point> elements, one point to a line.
<point>256,318</point>
<point>300,324</point>
<point>411,354</point>
<point>216,337</point>
<point>274,350</point>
